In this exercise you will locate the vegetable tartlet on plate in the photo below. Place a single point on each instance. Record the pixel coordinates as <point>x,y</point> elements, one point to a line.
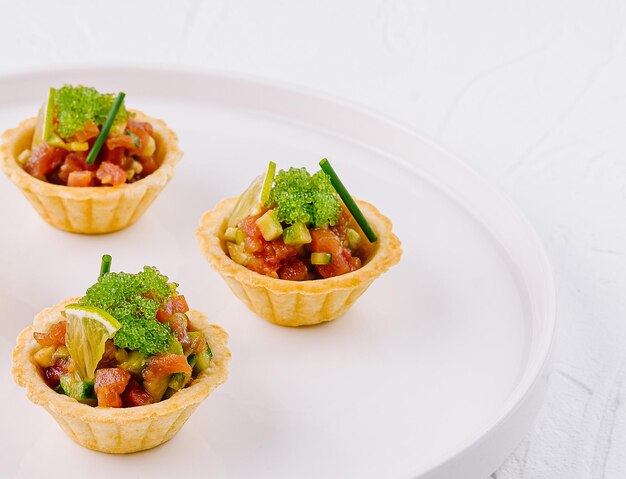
<point>296,248</point>
<point>122,368</point>
<point>86,163</point>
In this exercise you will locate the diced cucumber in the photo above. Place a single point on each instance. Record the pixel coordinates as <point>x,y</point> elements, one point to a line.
<point>78,146</point>
<point>321,258</point>
<point>177,381</point>
<point>157,387</point>
<point>43,357</point>
<point>203,360</point>
<point>231,234</point>
<point>121,355</point>
<point>297,235</point>
<point>239,236</point>
<point>169,392</point>
<point>191,360</point>
<point>23,156</point>
<point>56,141</point>
<point>77,389</point>
<point>135,362</point>
<point>175,347</point>
<point>60,352</point>
<point>238,253</point>
<point>354,239</point>
<point>194,335</point>
<point>269,225</point>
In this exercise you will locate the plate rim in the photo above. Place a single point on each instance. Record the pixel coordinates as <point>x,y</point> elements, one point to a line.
<point>522,391</point>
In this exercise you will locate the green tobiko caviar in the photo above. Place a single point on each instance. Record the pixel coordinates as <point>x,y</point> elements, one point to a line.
<point>303,198</point>
<point>75,106</point>
<point>134,300</point>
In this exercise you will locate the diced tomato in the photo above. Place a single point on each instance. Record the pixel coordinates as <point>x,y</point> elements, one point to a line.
<point>340,229</point>
<point>178,324</point>
<point>110,174</point>
<point>53,373</point>
<point>164,312</point>
<point>54,337</point>
<point>197,344</point>
<point>253,245</point>
<point>261,266</point>
<point>80,178</point>
<point>126,163</point>
<point>76,161</point>
<point>249,227</point>
<point>120,141</point>
<point>149,163</point>
<point>135,395</point>
<point>276,251</point>
<point>137,126</point>
<point>294,270</point>
<point>79,158</point>
<point>164,364</point>
<point>89,131</point>
<point>325,241</point>
<point>355,261</point>
<point>342,263</point>
<point>44,160</point>
<point>176,304</point>
<point>142,131</point>
<point>68,166</point>
<point>109,385</point>
<point>336,268</point>
<point>111,155</point>
<point>179,304</point>
<point>269,256</point>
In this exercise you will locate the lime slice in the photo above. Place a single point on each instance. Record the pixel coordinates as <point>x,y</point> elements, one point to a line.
<point>88,329</point>
<point>268,181</point>
<point>44,120</point>
<point>252,200</point>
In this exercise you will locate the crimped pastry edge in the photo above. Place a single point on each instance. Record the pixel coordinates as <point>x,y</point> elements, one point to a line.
<point>27,375</point>
<point>213,223</point>
<point>69,196</point>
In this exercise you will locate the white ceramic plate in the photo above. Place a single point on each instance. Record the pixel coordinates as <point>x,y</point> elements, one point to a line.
<point>436,372</point>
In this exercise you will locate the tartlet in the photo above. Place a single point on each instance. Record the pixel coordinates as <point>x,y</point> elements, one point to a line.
<point>297,303</point>
<point>118,431</point>
<point>126,383</point>
<point>91,209</point>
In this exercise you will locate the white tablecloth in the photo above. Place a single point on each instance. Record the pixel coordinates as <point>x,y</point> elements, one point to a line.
<point>532,94</point>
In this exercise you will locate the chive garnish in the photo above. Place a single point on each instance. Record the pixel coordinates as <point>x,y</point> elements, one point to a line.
<point>348,201</point>
<point>105,266</point>
<point>97,146</point>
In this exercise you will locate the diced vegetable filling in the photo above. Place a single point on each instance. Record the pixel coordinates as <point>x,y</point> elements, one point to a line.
<point>297,261</point>
<point>77,115</point>
<point>139,368</point>
<point>302,231</point>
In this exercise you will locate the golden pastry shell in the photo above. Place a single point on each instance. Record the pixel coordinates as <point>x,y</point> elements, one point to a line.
<point>296,303</point>
<point>123,430</point>
<point>90,210</point>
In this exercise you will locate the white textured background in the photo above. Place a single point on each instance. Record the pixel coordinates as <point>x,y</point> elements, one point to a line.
<point>532,94</point>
